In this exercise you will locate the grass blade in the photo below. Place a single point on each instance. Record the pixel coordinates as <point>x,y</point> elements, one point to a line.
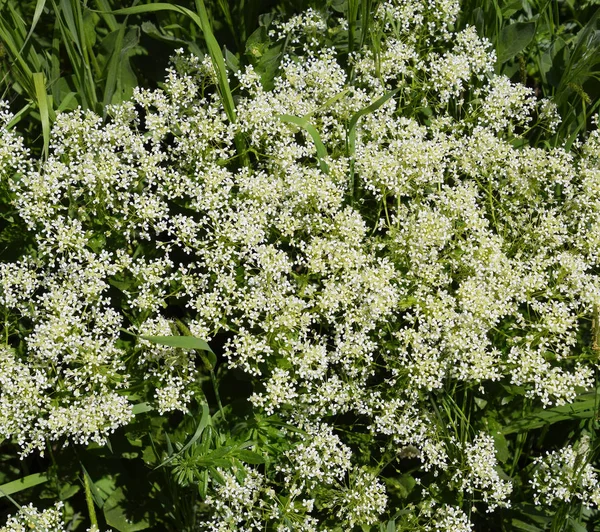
<point>352,131</point>
<point>312,131</point>
<point>42,102</point>
<point>24,483</point>
<point>585,408</point>
<point>204,421</point>
<point>201,19</point>
<point>39,7</point>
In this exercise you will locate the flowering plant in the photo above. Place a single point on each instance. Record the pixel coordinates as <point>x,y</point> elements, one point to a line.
<point>373,246</point>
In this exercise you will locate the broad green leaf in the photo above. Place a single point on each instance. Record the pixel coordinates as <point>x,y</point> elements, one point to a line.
<point>116,515</point>
<point>500,443</point>
<point>576,526</point>
<point>141,408</point>
<point>22,484</point>
<point>250,457</point>
<point>583,409</point>
<point>511,8</point>
<point>513,39</point>
<point>67,491</point>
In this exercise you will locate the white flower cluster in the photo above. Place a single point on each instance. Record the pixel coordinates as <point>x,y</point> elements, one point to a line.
<point>363,502</point>
<point>482,475</point>
<point>30,518</point>
<point>566,475</point>
<point>448,518</point>
<point>245,501</point>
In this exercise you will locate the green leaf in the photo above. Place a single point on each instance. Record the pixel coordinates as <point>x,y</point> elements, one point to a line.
<point>116,515</point>
<point>39,8</point>
<point>184,342</point>
<point>120,78</point>
<point>141,408</point>
<point>158,33</point>
<point>511,8</point>
<point>250,457</point>
<point>500,443</point>
<point>521,525</point>
<point>204,421</point>
<point>67,491</point>
<point>513,39</point>
<point>22,484</point>
<point>91,490</point>
<point>585,408</point>
<point>312,131</point>
<point>42,102</point>
<point>89,498</point>
<point>231,61</point>
<point>201,19</point>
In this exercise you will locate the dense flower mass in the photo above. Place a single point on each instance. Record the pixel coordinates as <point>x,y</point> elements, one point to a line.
<point>428,253</point>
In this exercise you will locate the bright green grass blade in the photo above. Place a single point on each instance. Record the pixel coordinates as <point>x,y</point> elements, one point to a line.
<point>24,483</point>
<point>108,17</point>
<point>39,8</point>
<point>23,75</point>
<point>352,132</point>
<point>42,102</point>
<point>113,67</point>
<point>365,110</point>
<point>353,6</point>
<point>201,19</point>
<point>312,131</point>
<point>204,421</point>
<point>217,59</point>
<point>19,115</point>
<point>69,16</point>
